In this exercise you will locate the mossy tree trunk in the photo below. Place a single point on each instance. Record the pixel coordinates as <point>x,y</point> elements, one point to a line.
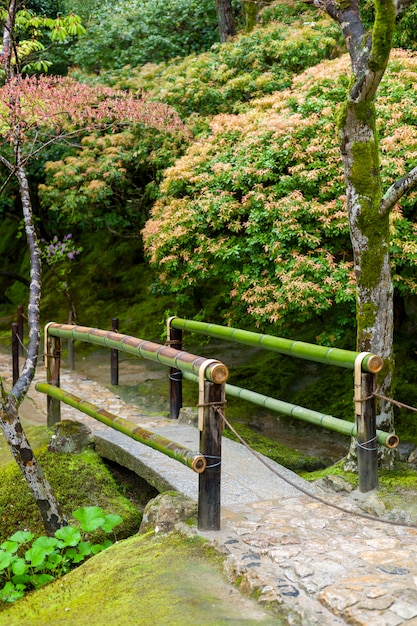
<point>10,422</point>
<point>367,205</point>
<point>251,13</point>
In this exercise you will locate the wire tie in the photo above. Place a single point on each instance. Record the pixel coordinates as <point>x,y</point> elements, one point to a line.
<point>365,443</point>
<point>176,376</point>
<point>209,456</point>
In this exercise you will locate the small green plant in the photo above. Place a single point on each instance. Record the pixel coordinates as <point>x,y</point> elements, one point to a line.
<point>50,557</point>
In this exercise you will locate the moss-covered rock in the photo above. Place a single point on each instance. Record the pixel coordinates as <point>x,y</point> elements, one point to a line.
<point>77,480</point>
<point>148,580</point>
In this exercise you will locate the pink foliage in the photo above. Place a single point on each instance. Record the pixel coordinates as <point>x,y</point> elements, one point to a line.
<point>62,104</point>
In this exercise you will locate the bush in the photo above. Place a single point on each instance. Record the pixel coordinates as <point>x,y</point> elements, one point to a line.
<point>240,70</point>
<point>259,206</point>
<point>141,31</point>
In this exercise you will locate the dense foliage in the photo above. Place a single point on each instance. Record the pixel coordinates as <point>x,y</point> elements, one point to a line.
<point>228,76</point>
<point>135,32</point>
<point>112,180</point>
<point>259,205</point>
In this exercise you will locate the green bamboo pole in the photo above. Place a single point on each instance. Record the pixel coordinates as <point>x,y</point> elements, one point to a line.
<point>320,354</point>
<point>176,451</point>
<point>215,372</point>
<point>390,440</point>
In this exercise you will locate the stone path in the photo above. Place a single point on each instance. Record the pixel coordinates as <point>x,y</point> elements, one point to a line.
<point>316,564</point>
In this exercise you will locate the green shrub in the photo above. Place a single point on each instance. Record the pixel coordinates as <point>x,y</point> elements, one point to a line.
<point>232,73</point>
<point>23,568</point>
<point>259,205</point>
<point>140,31</point>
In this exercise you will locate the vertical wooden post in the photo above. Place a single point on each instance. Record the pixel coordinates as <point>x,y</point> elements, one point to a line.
<point>71,359</point>
<point>211,448</point>
<point>114,355</point>
<point>15,352</point>
<point>20,330</point>
<point>366,436</point>
<point>175,377</point>
<point>53,365</point>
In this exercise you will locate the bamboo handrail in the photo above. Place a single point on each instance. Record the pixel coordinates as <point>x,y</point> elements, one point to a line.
<point>336,424</point>
<point>311,352</point>
<point>216,372</point>
<point>193,460</point>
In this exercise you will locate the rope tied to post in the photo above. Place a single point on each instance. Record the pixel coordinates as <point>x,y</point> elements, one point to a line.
<point>365,444</point>
<point>210,456</point>
<point>201,378</point>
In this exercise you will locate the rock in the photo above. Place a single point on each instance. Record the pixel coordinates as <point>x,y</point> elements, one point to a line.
<point>370,503</point>
<point>70,436</point>
<point>168,511</point>
<point>405,449</point>
<point>413,457</point>
<point>188,415</point>
<point>334,483</point>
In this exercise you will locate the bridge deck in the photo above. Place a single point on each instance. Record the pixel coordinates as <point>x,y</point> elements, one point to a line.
<point>320,564</point>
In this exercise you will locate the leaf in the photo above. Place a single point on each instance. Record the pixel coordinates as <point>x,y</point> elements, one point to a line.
<point>11,592</point>
<point>68,535</point>
<point>111,521</point>
<point>53,561</point>
<point>38,580</point>
<point>19,567</point>
<point>9,546</point>
<point>84,548</point>
<point>41,548</point>
<point>22,536</point>
<point>6,558</point>
<point>90,517</point>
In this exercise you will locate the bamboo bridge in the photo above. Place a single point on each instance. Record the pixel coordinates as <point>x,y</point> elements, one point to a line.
<point>291,543</point>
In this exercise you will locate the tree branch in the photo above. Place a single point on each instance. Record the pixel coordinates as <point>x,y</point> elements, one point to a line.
<point>397,190</point>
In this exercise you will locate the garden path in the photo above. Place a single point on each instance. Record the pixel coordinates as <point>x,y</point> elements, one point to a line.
<point>318,564</point>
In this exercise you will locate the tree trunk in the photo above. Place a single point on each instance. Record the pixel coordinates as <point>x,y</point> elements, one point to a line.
<point>10,422</point>
<point>369,232</point>
<point>225,19</point>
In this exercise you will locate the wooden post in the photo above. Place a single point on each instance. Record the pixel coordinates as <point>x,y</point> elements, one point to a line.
<point>20,330</point>
<point>114,355</point>
<point>366,436</point>
<point>175,377</point>
<point>53,365</point>
<point>15,352</point>
<point>71,359</point>
<point>211,448</point>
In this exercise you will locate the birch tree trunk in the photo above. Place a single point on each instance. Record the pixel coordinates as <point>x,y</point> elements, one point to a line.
<point>10,422</point>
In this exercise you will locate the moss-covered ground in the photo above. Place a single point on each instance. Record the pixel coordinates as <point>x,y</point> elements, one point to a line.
<point>77,480</point>
<point>149,580</point>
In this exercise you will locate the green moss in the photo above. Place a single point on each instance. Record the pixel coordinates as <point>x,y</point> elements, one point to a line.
<point>333,470</point>
<point>148,580</point>
<point>366,315</point>
<point>292,459</point>
<point>382,34</point>
<point>365,176</point>
<point>76,480</point>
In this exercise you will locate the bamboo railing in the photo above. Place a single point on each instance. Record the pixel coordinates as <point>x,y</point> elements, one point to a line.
<point>193,460</point>
<point>335,424</point>
<point>212,377</point>
<point>372,363</point>
<point>365,366</point>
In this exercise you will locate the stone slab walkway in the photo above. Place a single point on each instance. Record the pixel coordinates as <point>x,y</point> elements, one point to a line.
<point>317,564</point>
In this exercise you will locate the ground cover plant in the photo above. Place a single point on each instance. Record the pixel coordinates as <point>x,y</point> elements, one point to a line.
<point>28,562</point>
